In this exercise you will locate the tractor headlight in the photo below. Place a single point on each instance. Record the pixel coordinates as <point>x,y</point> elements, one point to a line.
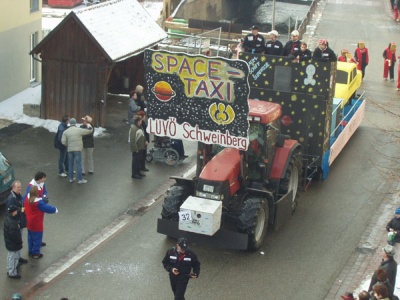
<point>209,196</point>
<point>208,188</point>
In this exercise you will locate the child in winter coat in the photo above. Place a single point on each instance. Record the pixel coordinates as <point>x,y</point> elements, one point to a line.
<point>35,208</point>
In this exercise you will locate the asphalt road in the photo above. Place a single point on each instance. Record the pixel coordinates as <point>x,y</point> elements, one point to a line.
<point>300,261</point>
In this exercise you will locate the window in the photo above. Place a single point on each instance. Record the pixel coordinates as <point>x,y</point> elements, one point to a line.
<point>33,63</point>
<point>283,78</point>
<point>34,5</point>
<point>341,77</point>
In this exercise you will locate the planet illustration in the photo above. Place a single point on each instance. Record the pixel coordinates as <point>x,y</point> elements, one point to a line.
<point>163,91</point>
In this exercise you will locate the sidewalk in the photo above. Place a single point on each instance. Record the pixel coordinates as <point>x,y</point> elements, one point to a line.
<point>357,273</point>
<point>367,256</point>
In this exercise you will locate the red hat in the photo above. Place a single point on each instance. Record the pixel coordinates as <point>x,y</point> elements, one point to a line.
<point>322,42</point>
<point>348,296</point>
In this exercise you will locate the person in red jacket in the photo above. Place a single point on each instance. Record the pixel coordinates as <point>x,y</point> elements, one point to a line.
<point>361,57</point>
<point>345,56</point>
<point>35,208</point>
<point>389,55</point>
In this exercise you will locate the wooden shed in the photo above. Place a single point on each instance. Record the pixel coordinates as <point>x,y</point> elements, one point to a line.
<point>80,55</point>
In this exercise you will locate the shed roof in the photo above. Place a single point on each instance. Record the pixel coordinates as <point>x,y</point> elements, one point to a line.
<point>122,28</point>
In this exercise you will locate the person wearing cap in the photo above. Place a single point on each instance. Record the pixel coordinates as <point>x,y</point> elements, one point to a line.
<point>72,138</point>
<point>63,158</point>
<point>137,141</point>
<point>13,241</point>
<point>301,55</point>
<point>88,146</point>
<point>254,42</point>
<point>348,296</point>
<point>361,57</point>
<point>389,56</point>
<point>182,264</point>
<point>323,52</point>
<point>274,46</point>
<point>389,265</point>
<point>394,226</point>
<point>293,44</point>
<point>15,199</point>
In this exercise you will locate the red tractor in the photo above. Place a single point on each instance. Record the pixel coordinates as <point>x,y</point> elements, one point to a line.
<point>236,194</point>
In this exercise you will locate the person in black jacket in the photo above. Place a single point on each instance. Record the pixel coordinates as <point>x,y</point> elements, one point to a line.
<point>140,98</point>
<point>323,52</point>
<point>143,153</point>
<point>179,262</point>
<point>389,265</point>
<point>254,42</point>
<point>274,46</point>
<point>13,241</point>
<point>301,55</point>
<point>88,146</point>
<point>293,44</point>
<point>63,158</point>
<point>15,199</point>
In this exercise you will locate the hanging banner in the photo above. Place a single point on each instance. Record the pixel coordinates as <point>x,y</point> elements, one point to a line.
<point>197,98</point>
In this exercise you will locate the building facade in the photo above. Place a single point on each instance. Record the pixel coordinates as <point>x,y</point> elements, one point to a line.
<point>20,31</point>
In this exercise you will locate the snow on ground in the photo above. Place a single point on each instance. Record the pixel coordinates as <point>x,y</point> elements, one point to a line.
<point>12,109</point>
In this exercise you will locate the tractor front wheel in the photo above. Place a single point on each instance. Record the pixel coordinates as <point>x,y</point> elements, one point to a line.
<point>173,200</point>
<point>253,220</point>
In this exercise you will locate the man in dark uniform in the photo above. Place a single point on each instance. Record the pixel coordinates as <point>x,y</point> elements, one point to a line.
<point>274,46</point>
<point>254,42</point>
<point>293,44</point>
<point>179,262</point>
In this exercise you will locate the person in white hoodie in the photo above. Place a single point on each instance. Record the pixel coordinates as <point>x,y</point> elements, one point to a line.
<point>72,138</point>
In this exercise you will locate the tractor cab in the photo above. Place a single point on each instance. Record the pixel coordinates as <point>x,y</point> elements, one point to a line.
<point>263,134</point>
<point>221,177</point>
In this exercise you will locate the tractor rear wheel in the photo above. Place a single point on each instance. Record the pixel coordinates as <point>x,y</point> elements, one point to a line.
<point>253,220</point>
<point>173,200</point>
<point>291,180</point>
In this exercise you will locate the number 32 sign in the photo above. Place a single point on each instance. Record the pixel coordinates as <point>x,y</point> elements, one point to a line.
<point>185,216</point>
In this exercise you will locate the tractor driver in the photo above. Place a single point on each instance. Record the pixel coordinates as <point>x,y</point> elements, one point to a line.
<point>255,150</point>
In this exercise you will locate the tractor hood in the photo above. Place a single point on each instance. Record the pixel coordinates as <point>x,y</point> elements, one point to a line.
<point>225,166</point>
